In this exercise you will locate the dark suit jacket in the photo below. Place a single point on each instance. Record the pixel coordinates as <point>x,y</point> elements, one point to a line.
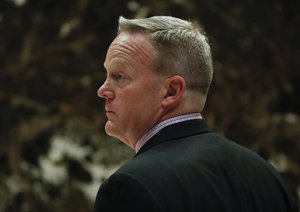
<point>188,168</point>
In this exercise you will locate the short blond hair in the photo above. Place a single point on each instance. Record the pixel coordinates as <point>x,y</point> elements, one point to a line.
<point>182,48</point>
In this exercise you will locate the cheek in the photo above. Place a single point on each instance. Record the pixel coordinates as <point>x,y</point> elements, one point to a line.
<point>128,103</point>
<point>132,106</point>
<point>138,101</point>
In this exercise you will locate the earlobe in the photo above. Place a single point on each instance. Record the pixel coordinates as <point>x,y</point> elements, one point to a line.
<point>175,88</point>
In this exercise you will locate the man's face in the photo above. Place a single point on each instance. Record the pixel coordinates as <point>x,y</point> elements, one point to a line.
<point>132,91</point>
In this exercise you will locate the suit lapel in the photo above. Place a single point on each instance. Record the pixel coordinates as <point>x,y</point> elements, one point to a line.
<point>176,131</point>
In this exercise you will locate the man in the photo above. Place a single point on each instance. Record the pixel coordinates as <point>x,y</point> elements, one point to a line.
<point>159,70</point>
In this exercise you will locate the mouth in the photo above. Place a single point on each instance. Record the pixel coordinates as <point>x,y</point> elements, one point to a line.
<point>107,110</point>
<point>109,113</point>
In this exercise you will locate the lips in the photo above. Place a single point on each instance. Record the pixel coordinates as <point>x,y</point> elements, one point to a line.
<point>109,112</point>
<point>107,109</point>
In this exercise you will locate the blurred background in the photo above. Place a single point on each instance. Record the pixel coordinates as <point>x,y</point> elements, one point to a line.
<point>54,153</point>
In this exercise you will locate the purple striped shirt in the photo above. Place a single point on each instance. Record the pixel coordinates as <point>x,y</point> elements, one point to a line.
<point>163,124</point>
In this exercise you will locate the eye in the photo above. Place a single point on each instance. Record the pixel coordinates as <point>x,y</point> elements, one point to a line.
<point>118,76</point>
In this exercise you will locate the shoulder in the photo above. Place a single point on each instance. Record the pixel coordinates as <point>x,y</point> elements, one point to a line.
<point>124,192</point>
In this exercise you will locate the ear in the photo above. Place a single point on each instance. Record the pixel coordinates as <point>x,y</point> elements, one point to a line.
<point>175,88</point>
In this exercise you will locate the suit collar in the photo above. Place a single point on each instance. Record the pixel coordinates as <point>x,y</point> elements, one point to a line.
<point>175,131</point>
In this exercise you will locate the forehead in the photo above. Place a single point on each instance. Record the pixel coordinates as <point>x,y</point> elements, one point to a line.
<point>131,48</point>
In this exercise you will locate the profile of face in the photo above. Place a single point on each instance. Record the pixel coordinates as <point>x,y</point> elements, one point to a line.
<point>133,93</point>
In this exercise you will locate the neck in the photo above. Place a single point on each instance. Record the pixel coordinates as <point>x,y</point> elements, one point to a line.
<point>177,111</point>
<point>162,114</point>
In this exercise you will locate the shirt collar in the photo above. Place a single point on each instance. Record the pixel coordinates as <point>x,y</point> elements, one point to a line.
<point>146,137</point>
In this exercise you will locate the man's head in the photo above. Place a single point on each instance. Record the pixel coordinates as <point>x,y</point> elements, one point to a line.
<point>157,68</point>
<point>181,48</point>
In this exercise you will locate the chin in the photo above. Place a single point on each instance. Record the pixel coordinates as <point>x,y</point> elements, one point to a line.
<point>111,130</point>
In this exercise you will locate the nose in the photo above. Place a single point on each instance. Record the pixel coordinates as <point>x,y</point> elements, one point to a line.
<point>105,91</point>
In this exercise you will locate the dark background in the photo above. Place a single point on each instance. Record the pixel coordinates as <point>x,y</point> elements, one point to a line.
<point>53,151</point>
